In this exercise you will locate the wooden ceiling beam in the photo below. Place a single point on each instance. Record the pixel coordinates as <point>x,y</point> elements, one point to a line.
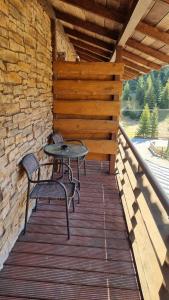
<point>101,58</point>
<point>137,11</point>
<point>135,66</point>
<point>140,60</point>
<point>89,56</point>
<point>131,71</point>
<point>148,50</point>
<point>153,32</point>
<point>112,34</point>
<point>98,9</point>
<point>87,38</point>
<point>86,46</point>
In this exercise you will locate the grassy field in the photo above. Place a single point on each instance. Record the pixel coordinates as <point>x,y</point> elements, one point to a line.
<point>131,126</point>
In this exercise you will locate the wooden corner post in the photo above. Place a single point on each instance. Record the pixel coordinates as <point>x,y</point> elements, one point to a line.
<point>116,98</point>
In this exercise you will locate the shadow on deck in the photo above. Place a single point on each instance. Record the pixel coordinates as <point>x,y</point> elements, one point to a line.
<point>95,264</point>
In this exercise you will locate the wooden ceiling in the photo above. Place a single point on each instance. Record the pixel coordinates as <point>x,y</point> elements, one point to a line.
<point>97,27</point>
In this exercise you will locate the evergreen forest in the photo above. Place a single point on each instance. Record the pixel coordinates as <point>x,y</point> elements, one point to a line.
<point>143,98</point>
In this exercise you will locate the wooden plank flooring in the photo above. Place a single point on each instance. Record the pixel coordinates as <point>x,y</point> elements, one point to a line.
<point>95,264</point>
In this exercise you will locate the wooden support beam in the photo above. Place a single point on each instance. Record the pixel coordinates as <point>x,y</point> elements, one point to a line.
<point>148,50</point>
<point>113,34</point>
<point>87,46</point>
<point>98,9</point>
<point>89,39</point>
<point>90,54</point>
<point>154,32</point>
<point>138,59</point>
<point>135,66</point>
<point>138,9</point>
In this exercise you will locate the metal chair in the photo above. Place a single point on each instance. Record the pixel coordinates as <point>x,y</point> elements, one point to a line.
<point>58,138</point>
<point>50,188</point>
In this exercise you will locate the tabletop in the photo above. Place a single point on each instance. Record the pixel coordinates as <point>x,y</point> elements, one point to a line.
<point>66,150</point>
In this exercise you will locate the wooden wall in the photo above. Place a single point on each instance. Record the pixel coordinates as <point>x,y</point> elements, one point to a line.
<point>85,106</point>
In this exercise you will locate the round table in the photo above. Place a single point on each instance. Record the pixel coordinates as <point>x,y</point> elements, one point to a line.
<point>68,151</point>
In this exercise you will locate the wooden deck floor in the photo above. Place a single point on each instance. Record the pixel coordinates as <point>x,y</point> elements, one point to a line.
<point>95,264</point>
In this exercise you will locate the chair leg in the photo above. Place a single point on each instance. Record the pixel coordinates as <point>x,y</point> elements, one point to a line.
<point>78,194</point>
<point>67,219</point>
<point>26,214</point>
<point>73,204</point>
<point>36,204</point>
<point>84,165</point>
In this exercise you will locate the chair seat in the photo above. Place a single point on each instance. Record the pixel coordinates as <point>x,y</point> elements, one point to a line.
<point>52,190</point>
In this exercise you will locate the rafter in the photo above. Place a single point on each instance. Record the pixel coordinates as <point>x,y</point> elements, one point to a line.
<point>89,39</point>
<point>148,50</point>
<point>153,32</point>
<point>89,56</point>
<point>135,66</point>
<point>79,49</point>
<point>146,63</point>
<point>98,9</point>
<point>131,71</point>
<point>113,34</point>
<point>86,46</point>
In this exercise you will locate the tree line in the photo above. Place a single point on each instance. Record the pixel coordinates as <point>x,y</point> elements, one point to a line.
<point>143,97</point>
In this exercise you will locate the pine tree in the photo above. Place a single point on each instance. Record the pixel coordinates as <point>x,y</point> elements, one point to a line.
<point>154,122</point>
<point>140,91</point>
<point>126,92</point>
<point>150,97</point>
<point>165,97</point>
<point>145,123</point>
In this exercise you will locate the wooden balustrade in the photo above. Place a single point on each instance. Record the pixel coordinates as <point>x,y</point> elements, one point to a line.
<point>146,208</point>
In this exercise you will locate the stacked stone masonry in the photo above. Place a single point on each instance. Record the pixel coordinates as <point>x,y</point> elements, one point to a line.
<point>25,104</point>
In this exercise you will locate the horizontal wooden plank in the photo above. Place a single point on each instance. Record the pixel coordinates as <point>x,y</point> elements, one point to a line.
<point>87,69</point>
<point>101,146</point>
<point>83,97</point>
<point>87,136</point>
<point>101,108</point>
<point>75,87</point>
<point>85,126</point>
<point>98,157</point>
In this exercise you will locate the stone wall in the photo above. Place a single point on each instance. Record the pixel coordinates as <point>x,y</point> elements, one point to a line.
<point>63,44</point>
<point>25,105</point>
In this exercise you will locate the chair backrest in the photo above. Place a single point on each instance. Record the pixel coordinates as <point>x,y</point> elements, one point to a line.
<point>30,164</point>
<point>57,138</point>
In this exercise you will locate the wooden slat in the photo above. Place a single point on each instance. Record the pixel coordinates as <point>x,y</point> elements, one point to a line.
<point>62,87</point>
<point>113,34</point>
<point>138,59</point>
<point>70,68</point>
<point>101,146</point>
<point>92,40</point>
<point>148,50</point>
<point>98,157</point>
<point>101,108</point>
<point>154,32</point>
<point>98,9</point>
<point>85,126</point>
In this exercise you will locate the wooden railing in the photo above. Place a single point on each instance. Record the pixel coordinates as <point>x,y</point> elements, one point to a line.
<point>146,208</point>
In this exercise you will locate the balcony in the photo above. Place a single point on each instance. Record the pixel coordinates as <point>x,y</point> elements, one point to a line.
<point>120,230</point>
<point>96,263</point>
